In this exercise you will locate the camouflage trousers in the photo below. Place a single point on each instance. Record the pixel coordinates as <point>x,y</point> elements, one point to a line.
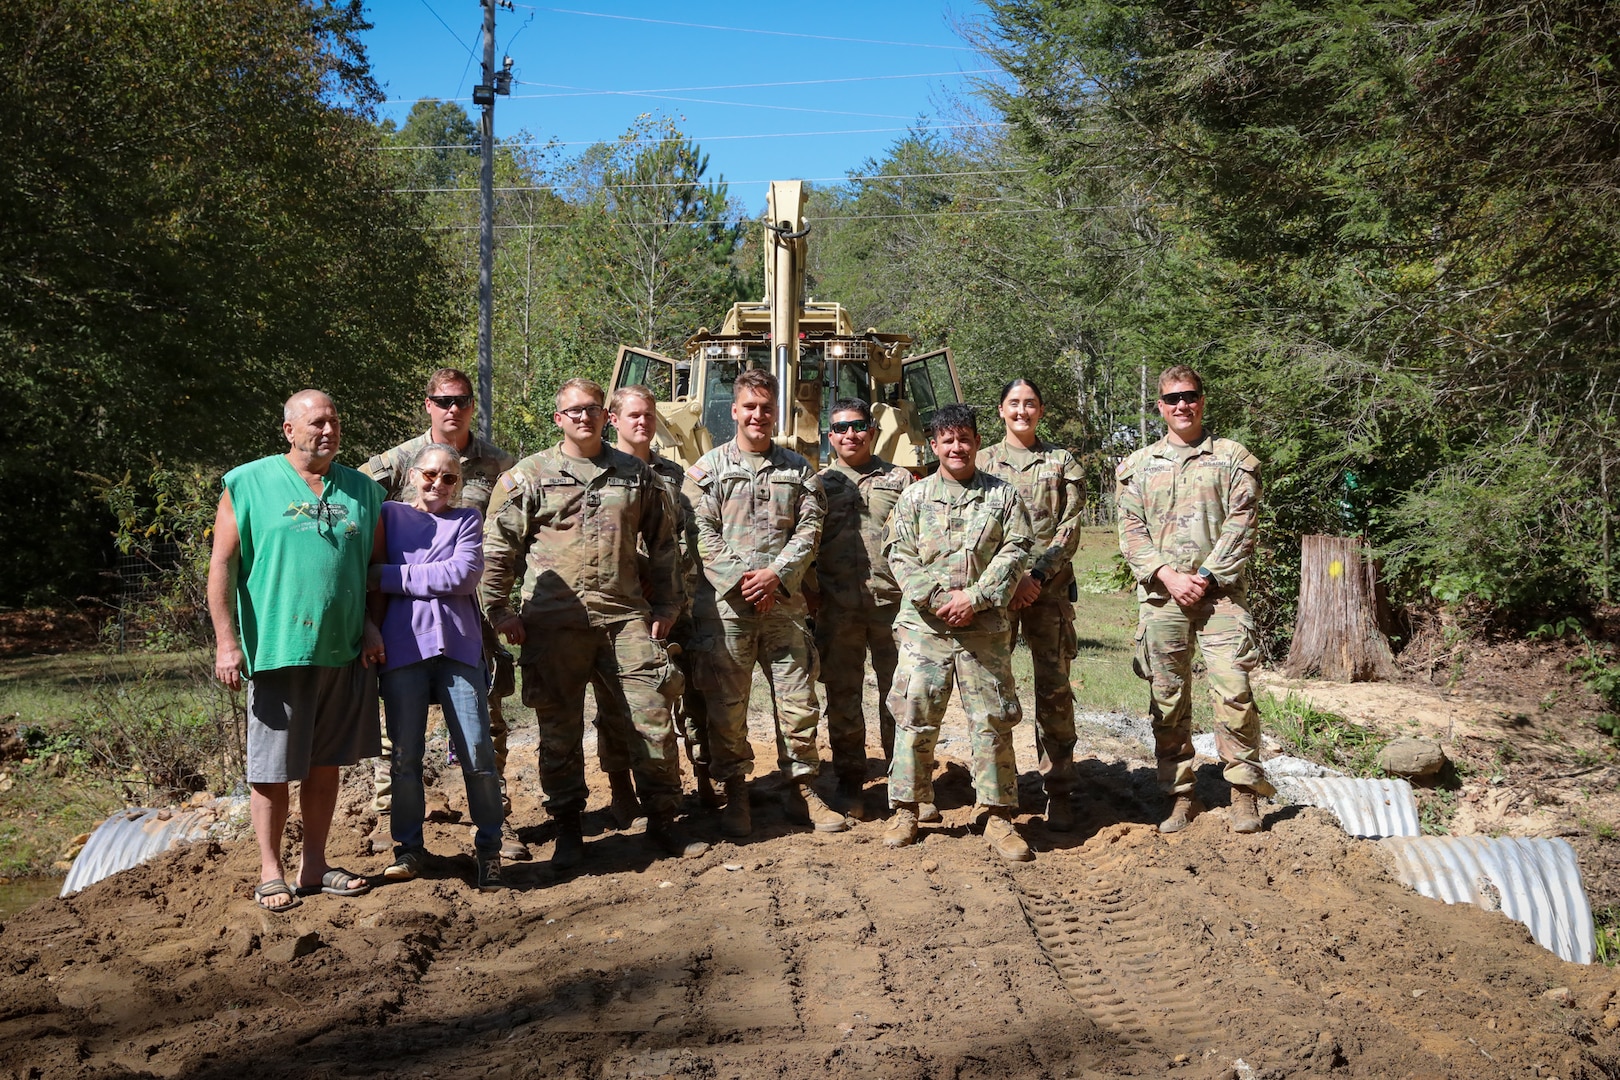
<point>686,706</point>
<point>980,665</point>
<point>1047,627</point>
<point>843,637</point>
<point>1229,644</point>
<point>557,666</point>
<point>780,644</point>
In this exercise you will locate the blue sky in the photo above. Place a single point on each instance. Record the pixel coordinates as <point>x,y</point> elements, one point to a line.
<point>701,62</point>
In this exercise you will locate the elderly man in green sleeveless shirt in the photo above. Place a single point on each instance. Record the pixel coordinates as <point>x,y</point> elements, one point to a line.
<point>287,595</point>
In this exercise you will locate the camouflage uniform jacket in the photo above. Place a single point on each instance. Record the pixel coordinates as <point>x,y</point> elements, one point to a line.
<point>481,464</point>
<point>1188,507</point>
<point>753,521</point>
<point>851,569</point>
<point>1053,488</point>
<point>944,535</point>
<point>574,538</point>
<point>670,474</point>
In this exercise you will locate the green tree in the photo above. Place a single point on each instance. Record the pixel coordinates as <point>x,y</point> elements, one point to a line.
<point>1393,229</point>
<point>197,224</point>
<point>660,238</point>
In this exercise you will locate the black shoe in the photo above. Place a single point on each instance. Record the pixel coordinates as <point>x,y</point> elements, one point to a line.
<point>569,850</point>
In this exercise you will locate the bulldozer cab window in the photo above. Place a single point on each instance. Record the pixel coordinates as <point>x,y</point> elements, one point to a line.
<point>852,381</point>
<point>635,367</point>
<point>930,383</point>
<point>719,387</point>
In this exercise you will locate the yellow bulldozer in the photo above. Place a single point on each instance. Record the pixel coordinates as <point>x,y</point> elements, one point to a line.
<point>813,349</point>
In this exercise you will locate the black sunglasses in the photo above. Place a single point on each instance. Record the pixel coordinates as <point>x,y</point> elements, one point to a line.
<point>841,426</point>
<point>1176,397</point>
<point>452,401</point>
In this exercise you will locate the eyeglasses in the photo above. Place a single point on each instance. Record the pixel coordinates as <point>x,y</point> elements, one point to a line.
<point>580,412</point>
<point>433,476</point>
<point>452,401</point>
<point>1176,397</point>
<point>841,426</point>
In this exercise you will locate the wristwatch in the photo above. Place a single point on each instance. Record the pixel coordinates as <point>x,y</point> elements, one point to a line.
<point>1039,576</point>
<point>1209,578</point>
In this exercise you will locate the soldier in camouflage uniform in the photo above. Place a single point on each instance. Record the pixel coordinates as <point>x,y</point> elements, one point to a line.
<point>854,593</point>
<point>958,544</point>
<point>451,408</point>
<point>571,520</point>
<point>1187,507</point>
<point>758,509</point>
<point>1053,488</point>
<point>633,413</point>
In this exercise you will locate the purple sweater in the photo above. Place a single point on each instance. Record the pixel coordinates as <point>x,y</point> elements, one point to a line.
<point>434,563</point>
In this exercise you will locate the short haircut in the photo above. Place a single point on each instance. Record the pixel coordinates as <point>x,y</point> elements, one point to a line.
<point>433,448</point>
<point>851,404</point>
<point>1179,373</point>
<point>590,386</point>
<point>756,379</point>
<point>625,393</point>
<point>953,417</point>
<point>293,409</point>
<point>443,377</point>
<point>1013,384</point>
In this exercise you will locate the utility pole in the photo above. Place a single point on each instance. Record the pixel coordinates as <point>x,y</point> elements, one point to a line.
<point>484,95</point>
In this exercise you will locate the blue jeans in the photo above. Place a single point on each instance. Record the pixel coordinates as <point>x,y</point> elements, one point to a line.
<point>459,689</point>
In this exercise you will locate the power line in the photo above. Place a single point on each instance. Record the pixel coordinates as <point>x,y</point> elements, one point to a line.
<point>751,30</point>
<point>776,108</point>
<point>446,26</point>
<point>717,138</point>
<point>841,217</point>
<point>580,91</point>
<point>734,183</point>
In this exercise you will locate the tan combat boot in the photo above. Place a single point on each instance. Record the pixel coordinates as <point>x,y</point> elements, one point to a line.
<point>669,837</point>
<point>513,848</point>
<point>625,809</point>
<point>1003,838</point>
<point>1245,814</point>
<point>804,807</point>
<point>735,819</point>
<point>902,828</point>
<point>928,813</point>
<point>1182,811</point>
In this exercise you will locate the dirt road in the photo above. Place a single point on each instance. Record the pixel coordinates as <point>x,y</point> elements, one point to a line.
<point>1118,952</point>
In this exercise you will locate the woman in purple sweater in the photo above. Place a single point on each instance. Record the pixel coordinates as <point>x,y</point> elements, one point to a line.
<point>425,567</point>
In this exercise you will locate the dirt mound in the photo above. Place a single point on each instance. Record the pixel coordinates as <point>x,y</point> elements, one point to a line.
<point>31,631</point>
<point>1117,952</point>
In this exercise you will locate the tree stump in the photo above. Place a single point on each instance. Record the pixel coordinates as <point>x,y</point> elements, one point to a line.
<point>1336,631</point>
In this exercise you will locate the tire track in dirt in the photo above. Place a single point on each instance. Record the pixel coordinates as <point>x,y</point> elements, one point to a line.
<point>1124,962</point>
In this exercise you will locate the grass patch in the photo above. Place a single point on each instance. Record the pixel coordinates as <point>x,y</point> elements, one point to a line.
<point>1105,628</point>
<point>1323,737</point>
<point>1436,808</point>
<point>42,813</point>
<point>1606,923</point>
<point>102,731</point>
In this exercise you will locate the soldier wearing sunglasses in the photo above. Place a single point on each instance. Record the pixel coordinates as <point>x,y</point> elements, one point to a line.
<point>855,593</point>
<point>1187,508</point>
<point>451,410</point>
